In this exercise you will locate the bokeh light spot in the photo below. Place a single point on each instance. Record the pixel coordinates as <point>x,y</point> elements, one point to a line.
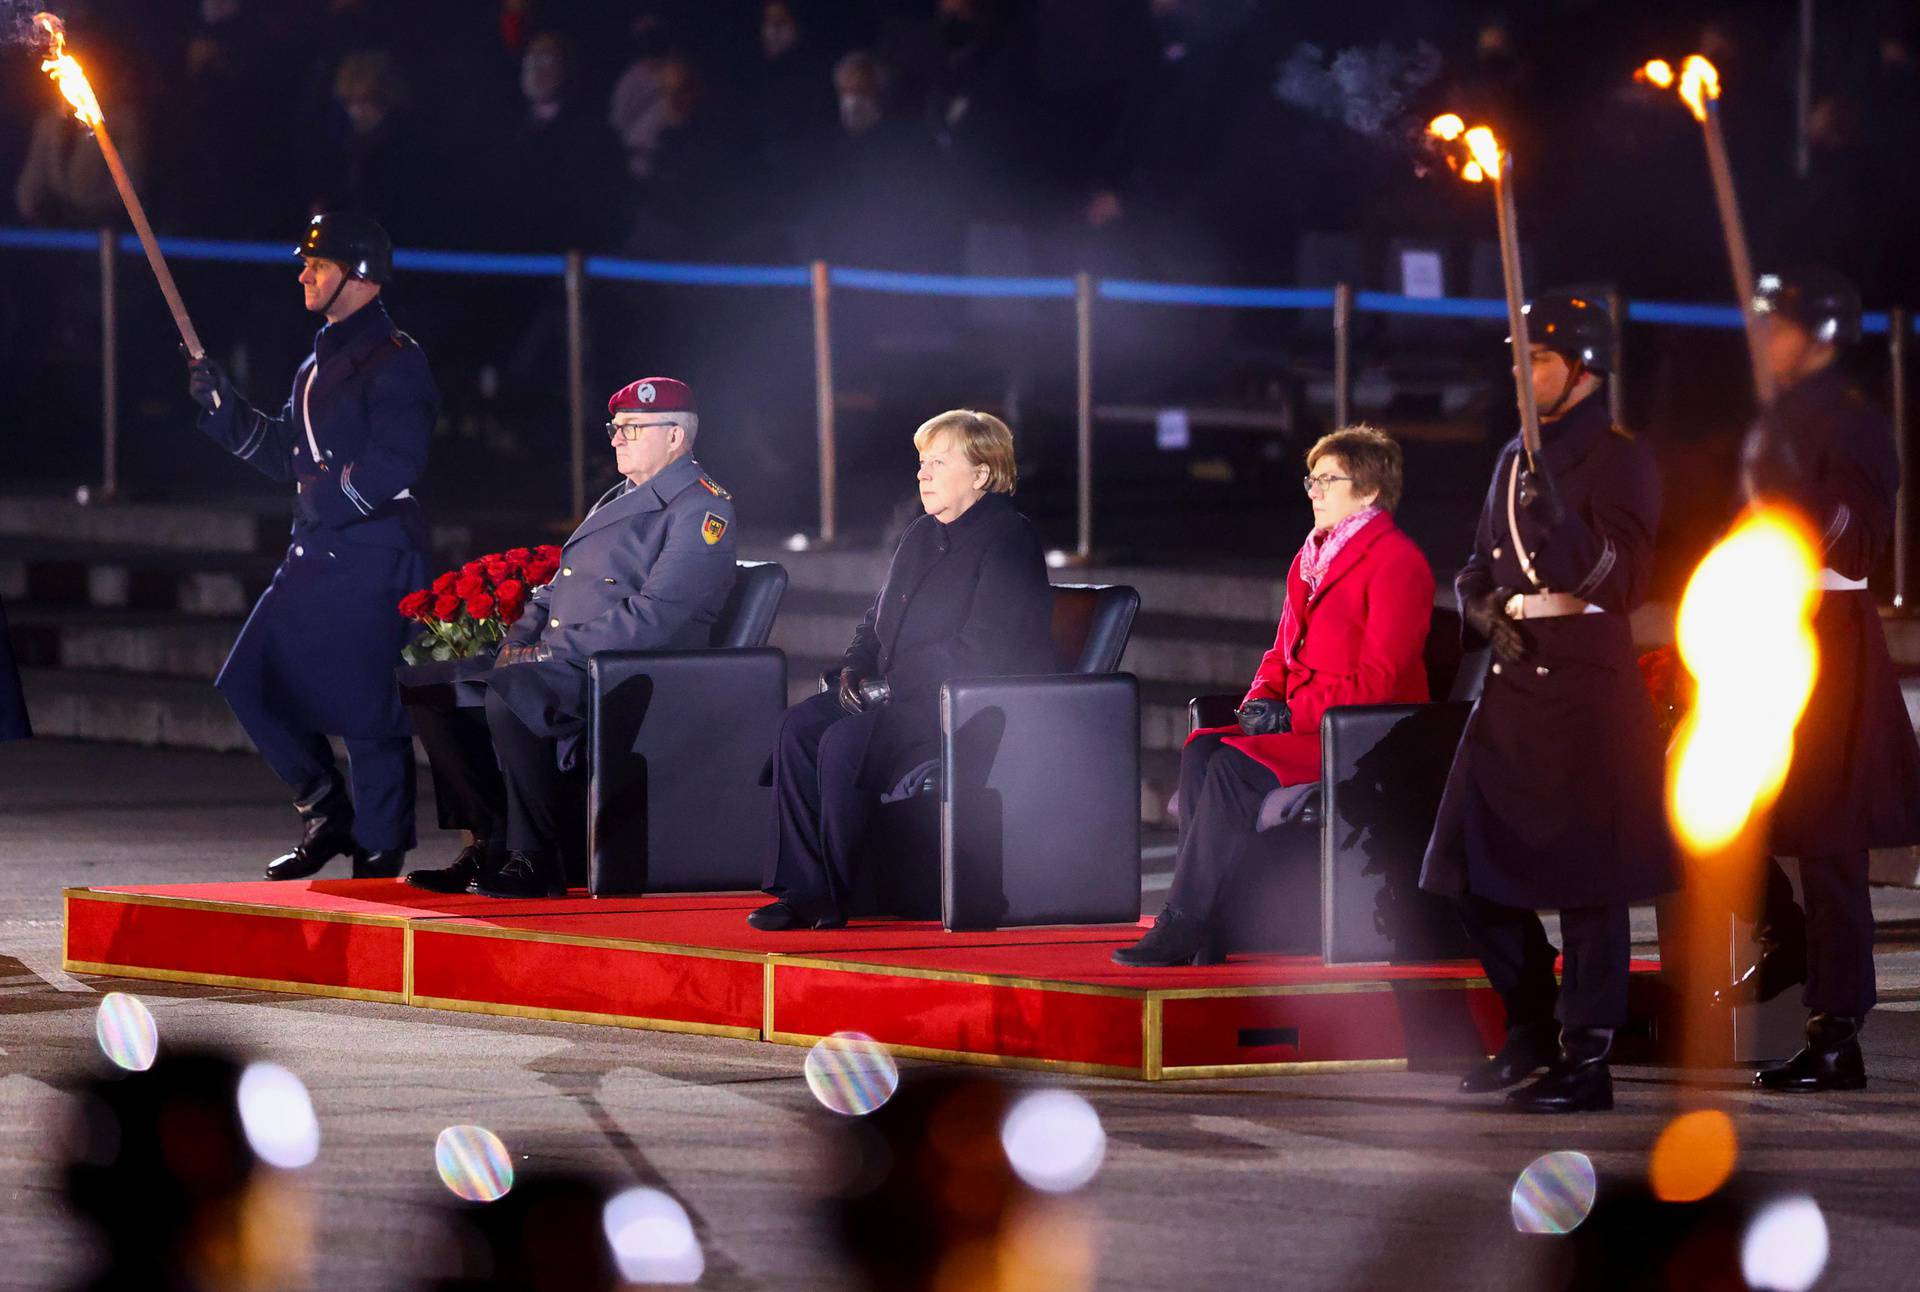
<point>1785,1248</point>
<point>1054,1140</point>
<point>652,1238</point>
<point>1554,1194</point>
<point>473,1163</point>
<point>1693,1157</point>
<point>126,1031</point>
<point>851,1073</point>
<point>277,1114</point>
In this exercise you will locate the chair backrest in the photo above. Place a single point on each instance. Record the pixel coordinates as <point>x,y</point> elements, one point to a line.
<point>1091,625</point>
<point>746,620</point>
<point>1442,653</point>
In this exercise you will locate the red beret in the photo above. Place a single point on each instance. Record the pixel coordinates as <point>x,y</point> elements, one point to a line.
<point>653,395</point>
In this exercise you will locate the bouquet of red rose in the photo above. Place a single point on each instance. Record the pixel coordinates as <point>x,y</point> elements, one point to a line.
<point>469,610</point>
<point>1668,685</point>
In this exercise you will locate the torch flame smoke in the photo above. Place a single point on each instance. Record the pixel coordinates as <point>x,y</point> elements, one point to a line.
<point>66,73</point>
<point>1699,81</point>
<point>1483,150</point>
<point>1744,632</point>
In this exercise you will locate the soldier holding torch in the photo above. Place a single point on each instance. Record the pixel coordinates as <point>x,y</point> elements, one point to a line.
<point>317,655</point>
<point>1554,799</point>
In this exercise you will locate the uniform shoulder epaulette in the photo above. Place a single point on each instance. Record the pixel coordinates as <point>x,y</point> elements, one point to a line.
<point>715,489</point>
<point>1622,432</point>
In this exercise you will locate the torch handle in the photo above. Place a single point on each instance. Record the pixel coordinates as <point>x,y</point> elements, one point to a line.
<point>144,231</point>
<point>1509,224</point>
<point>1734,229</point>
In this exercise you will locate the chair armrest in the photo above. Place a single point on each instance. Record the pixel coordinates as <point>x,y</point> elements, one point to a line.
<point>1211,711</point>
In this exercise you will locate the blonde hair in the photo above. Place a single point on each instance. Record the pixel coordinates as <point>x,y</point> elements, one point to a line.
<point>985,439</point>
<point>1371,457</point>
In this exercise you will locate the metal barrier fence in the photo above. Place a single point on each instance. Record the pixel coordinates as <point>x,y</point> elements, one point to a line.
<point>575,270</point>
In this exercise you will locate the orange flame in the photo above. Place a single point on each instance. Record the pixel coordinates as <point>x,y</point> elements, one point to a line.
<point>1448,127</point>
<point>1482,149</point>
<point>1699,81</point>
<point>66,73</point>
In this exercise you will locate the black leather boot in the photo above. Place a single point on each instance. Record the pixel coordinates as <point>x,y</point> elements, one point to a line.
<point>384,864</point>
<point>1579,1080</point>
<point>1830,1060</point>
<point>1782,963</point>
<point>1175,939</point>
<point>787,914</point>
<point>327,833</point>
<point>526,874</point>
<point>1528,1048</point>
<point>456,878</point>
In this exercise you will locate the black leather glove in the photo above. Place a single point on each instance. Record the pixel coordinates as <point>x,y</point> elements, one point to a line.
<point>848,692</point>
<point>1486,614</point>
<point>1264,717</point>
<point>1538,496</point>
<point>207,383</point>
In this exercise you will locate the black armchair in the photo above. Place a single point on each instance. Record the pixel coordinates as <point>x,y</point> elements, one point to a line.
<point>1344,881</point>
<point>675,741</point>
<point>1037,792</point>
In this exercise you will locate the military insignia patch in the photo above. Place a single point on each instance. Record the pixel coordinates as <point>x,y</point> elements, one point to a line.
<point>713,528</point>
<point>715,489</point>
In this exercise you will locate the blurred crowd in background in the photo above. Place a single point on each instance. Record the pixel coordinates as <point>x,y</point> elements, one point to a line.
<point>1223,141</point>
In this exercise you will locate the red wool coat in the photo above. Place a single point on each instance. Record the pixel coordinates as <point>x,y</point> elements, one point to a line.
<point>1361,640</point>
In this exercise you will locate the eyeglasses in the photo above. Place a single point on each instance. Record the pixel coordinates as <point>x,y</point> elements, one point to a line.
<point>1320,484</point>
<point>631,430</point>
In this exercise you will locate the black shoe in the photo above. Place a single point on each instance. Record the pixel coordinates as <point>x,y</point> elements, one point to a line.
<point>1175,939</point>
<point>327,833</point>
<point>526,874</point>
<point>384,864</point>
<point>1781,965</point>
<point>1579,1080</point>
<point>783,915</point>
<point>457,878</point>
<point>1830,1060</point>
<point>1528,1048</point>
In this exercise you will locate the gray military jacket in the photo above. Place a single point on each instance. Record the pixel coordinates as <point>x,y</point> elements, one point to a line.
<point>648,569</point>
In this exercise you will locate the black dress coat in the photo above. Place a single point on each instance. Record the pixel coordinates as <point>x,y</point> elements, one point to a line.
<point>969,599</point>
<point>1555,797</point>
<point>319,648</point>
<point>13,703</point>
<point>1855,779</point>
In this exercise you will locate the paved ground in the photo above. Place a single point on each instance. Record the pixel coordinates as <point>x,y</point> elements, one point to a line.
<point>1349,1181</point>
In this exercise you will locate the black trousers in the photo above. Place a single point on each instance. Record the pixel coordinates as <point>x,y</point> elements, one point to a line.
<point>821,809</point>
<point>1221,790</point>
<point>501,780</point>
<point>379,769</point>
<point>1837,926</point>
<point>1512,945</point>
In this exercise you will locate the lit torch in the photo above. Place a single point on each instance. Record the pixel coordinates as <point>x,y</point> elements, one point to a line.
<point>1698,84</point>
<point>1745,634</point>
<point>1477,157</point>
<point>72,81</point>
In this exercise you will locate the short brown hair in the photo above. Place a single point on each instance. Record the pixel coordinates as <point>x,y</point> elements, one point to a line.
<point>1372,459</point>
<point>985,439</point>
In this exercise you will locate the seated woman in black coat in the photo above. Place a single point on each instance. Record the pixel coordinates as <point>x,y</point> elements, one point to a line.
<point>966,596</point>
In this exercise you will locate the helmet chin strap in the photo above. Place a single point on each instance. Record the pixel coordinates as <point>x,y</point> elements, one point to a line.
<point>1575,371</point>
<point>345,278</point>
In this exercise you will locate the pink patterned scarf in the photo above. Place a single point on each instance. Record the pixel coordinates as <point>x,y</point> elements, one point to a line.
<point>1322,545</point>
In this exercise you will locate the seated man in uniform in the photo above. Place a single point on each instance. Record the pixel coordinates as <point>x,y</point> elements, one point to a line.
<point>648,569</point>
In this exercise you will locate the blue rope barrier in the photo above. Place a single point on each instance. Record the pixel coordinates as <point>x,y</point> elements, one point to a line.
<point>481,262</point>
<point>48,240</point>
<point>886,280</point>
<point>1272,298</point>
<point>1456,307</point>
<point>1684,315</point>
<point>664,271</point>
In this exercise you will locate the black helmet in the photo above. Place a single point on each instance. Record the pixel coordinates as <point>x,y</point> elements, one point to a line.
<point>351,240</point>
<point>1574,325</point>
<point>1818,299</point>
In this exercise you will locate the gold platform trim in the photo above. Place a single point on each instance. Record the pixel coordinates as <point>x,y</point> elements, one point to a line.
<point>1065,1066</point>
<point>233,908</point>
<point>233,980</point>
<point>1300,1069</point>
<point>952,975</point>
<point>632,1021</point>
<point>441,928</point>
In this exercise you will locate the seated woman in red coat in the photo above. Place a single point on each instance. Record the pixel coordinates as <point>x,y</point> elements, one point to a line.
<point>1353,631</point>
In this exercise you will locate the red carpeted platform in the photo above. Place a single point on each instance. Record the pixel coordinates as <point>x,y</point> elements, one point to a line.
<point>1039,998</point>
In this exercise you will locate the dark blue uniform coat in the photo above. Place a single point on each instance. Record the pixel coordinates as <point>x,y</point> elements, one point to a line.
<point>648,569</point>
<point>13,704</point>
<point>1555,797</point>
<point>1855,779</point>
<point>318,651</point>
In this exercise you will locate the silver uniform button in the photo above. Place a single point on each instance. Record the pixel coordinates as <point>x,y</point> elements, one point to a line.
<point>1541,670</point>
<point>553,623</point>
<point>568,570</point>
<point>1496,553</point>
<point>299,551</point>
<point>1496,668</point>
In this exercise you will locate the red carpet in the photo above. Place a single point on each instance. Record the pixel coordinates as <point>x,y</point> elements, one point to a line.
<point>1043,998</point>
